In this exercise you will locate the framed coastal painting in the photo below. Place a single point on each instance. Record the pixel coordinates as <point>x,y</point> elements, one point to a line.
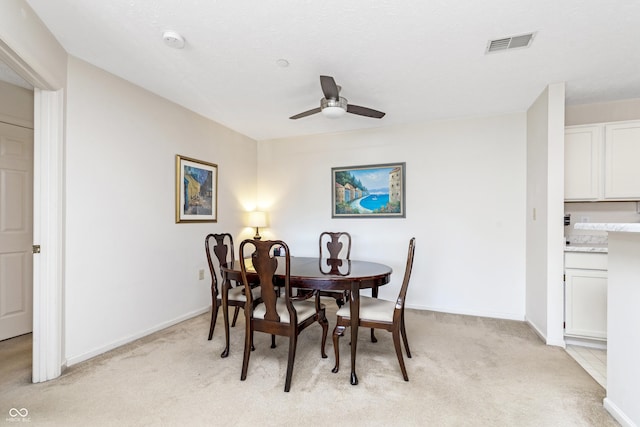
<point>368,191</point>
<point>196,190</point>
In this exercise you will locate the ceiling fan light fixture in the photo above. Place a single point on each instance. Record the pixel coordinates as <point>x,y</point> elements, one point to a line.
<point>333,108</point>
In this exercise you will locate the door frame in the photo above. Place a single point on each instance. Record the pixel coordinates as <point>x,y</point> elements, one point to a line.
<point>48,225</point>
<point>48,218</point>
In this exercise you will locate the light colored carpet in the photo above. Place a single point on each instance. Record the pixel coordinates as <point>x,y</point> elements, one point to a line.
<point>465,371</point>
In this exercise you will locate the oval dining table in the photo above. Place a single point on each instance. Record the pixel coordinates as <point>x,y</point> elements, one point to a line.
<point>327,274</point>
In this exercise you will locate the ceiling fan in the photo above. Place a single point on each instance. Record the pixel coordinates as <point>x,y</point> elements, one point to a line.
<point>333,105</point>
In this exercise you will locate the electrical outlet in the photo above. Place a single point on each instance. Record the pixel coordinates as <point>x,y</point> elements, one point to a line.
<point>201,274</point>
<point>584,219</point>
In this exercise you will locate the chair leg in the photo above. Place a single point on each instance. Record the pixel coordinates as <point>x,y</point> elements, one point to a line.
<point>396,344</point>
<point>235,316</point>
<point>225,317</point>
<point>248,343</point>
<point>322,319</point>
<point>214,315</point>
<point>293,340</point>
<point>338,331</point>
<point>374,294</point>
<point>273,341</point>
<point>404,338</point>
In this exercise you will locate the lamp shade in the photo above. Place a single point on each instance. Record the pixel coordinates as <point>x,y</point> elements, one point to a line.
<point>333,108</point>
<point>333,112</point>
<point>257,219</point>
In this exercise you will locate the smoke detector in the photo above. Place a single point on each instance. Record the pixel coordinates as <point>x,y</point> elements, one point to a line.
<point>173,39</point>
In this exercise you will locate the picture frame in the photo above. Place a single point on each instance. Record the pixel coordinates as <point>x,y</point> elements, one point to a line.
<point>196,190</point>
<point>369,191</point>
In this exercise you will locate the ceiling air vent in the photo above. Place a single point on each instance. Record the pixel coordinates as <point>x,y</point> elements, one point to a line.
<point>508,43</point>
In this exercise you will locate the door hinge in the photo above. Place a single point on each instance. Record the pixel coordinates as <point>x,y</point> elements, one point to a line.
<point>36,249</point>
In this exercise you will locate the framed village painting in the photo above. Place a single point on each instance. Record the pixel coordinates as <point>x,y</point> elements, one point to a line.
<point>196,190</point>
<point>369,191</point>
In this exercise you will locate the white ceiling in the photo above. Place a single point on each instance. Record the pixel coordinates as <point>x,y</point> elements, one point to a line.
<point>416,60</point>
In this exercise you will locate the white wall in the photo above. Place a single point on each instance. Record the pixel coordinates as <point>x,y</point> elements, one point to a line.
<point>614,111</point>
<point>537,208</point>
<point>130,269</point>
<point>465,189</point>
<point>544,232</point>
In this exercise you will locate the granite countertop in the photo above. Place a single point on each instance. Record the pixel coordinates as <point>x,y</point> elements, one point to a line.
<point>592,242</point>
<point>628,227</point>
<point>586,247</point>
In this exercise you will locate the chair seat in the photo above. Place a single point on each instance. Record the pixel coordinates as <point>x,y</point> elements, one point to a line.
<point>237,293</point>
<point>371,309</point>
<point>304,309</point>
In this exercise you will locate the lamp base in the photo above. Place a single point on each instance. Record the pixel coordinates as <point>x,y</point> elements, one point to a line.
<point>257,236</point>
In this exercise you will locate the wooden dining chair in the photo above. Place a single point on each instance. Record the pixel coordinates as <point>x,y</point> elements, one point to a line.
<point>279,313</point>
<point>230,294</point>
<point>335,245</point>
<point>338,246</point>
<point>380,314</point>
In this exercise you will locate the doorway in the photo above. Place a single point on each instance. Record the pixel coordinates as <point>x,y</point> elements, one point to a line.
<point>48,162</point>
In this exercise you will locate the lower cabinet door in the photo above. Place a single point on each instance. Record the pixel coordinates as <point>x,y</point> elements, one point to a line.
<point>586,303</point>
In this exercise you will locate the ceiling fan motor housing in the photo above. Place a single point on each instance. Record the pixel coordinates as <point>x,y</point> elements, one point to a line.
<point>333,107</point>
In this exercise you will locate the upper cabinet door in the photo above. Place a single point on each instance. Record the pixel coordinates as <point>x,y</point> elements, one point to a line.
<point>622,161</point>
<point>582,163</point>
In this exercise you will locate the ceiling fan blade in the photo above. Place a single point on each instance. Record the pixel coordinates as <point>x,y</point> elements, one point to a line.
<point>329,87</point>
<point>306,113</point>
<point>364,111</point>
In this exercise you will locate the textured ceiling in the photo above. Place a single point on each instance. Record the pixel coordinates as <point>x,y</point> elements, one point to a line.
<point>416,60</point>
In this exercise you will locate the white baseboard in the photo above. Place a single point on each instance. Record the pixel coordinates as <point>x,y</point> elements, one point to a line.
<point>93,353</point>
<point>536,329</point>
<point>616,413</point>
<point>543,337</point>
<point>493,315</point>
<point>585,342</point>
<point>559,343</point>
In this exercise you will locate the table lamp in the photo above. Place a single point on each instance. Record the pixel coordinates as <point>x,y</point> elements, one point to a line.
<point>257,219</point>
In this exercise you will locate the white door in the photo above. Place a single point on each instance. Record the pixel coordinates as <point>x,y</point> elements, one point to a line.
<point>16,230</point>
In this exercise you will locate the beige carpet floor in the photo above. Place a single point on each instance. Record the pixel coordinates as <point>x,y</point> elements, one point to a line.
<point>465,371</point>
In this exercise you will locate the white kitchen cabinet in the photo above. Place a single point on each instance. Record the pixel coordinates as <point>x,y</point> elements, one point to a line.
<point>622,156</point>
<point>582,162</point>
<point>586,295</point>
<point>601,162</point>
